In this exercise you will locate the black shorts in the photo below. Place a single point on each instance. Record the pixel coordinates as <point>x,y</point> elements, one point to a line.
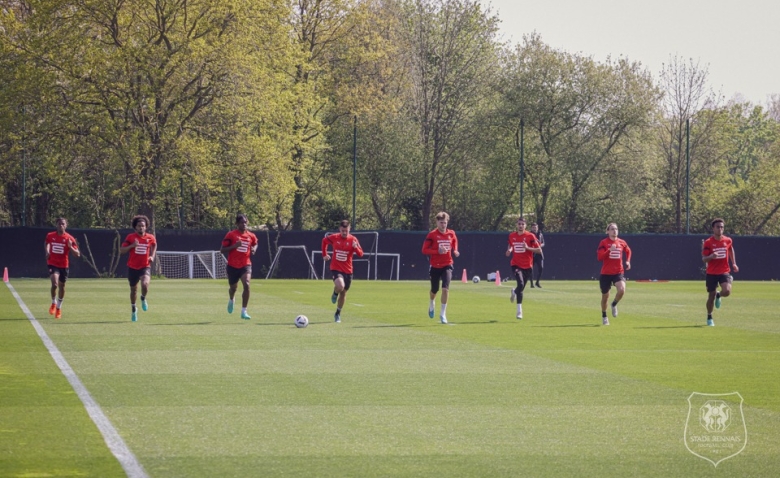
<point>606,281</point>
<point>234,274</point>
<point>62,271</point>
<point>443,274</point>
<point>713,280</point>
<point>134,275</point>
<point>525,275</point>
<point>347,278</point>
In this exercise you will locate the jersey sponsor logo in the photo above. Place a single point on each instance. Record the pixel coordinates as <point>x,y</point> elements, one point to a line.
<point>445,244</point>
<point>141,249</point>
<point>615,254</point>
<point>519,247</point>
<point>243,246</point>
<point>720,252</point>
<point>57,248</point>
<point>341,256</point>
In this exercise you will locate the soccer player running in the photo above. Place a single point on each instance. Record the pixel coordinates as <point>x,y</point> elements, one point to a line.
<point>239,244</point>
<point>716,252</point>
<point>610,253</point>
<point>344,245</point>
<point>522,246</point>
<point>538,258</point>
<point>440,244</point>
<point>141,247</point>
<point>58,245</point>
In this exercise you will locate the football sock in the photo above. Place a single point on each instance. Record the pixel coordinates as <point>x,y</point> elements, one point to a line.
<point>614,303</point>
<point>443,309</point>
<point>53,300</point>
<point>717,295</point>
<point>59,303</point>
<point>603,313</point>
<point>243,310</point>
<point>143,298</point>
<point>432,304</point>
<point>338,311</point>
<point>709,316</point>
<point>520,297</point>
<point>134,308</point>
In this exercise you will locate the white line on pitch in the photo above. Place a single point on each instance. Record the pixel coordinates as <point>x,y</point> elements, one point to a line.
<point>115,443</point>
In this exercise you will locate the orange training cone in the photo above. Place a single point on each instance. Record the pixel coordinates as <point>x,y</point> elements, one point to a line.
<point>5,274</point>
<point>498,278</point>
<point>464,279</point>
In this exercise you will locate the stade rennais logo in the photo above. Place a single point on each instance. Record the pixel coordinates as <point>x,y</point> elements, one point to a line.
<point>715,429</point>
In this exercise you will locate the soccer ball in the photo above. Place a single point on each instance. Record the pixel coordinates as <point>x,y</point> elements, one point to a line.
<point>475,279</point>
<point>301,321</point>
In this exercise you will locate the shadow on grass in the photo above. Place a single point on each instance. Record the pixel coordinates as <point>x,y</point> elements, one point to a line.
<point>674,327</point>
<point>569,325</point>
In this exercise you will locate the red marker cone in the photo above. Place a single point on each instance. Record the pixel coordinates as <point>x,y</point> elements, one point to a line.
<point>498,278</point>
<point>5,274</point>
<point>464,279</point>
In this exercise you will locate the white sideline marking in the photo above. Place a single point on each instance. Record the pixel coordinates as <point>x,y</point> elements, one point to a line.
<point>115,443</point>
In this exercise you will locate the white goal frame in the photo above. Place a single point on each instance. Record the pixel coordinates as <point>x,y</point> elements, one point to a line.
<point>395,265</point>
<point>275,262</point>
<point>212,261</point>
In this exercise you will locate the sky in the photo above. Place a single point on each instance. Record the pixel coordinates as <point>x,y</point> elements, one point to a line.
<point>738,42</point>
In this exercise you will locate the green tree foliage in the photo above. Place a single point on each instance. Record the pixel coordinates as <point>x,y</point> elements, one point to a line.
<point>452,63</point>
<point>192,110</point>
<point>152,96</point>
<point>581,114</point>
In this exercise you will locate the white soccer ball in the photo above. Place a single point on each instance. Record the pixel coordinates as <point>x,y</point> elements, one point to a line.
<point>301,321</point>
<point>475,279</point>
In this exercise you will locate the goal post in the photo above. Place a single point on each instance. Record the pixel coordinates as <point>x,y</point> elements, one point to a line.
<point>369,242</point>
<point>311,273</point>
<point>190,265</point>
<point>375,258</point>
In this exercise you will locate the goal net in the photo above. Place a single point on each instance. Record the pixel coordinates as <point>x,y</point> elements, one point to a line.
<point>190,265</point>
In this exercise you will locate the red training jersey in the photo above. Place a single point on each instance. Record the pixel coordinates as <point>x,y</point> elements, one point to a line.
<point>343,250</point>
<point>722,249</point>
<point>59,250</point>
<point>433,240</point>
<point>521,256</point>
<point>240,256</point>
<point>613,260</point>
<point>138,257</point>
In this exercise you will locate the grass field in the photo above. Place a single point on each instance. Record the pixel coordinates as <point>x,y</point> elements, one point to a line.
<point>195,392</point>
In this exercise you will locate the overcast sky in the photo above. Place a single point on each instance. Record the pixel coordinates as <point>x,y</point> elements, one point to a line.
<point>738,41</point>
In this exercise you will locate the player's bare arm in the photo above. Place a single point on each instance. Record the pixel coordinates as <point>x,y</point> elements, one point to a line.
<point>124,249</point>
<point>733,259</point>
<point>74,247</point>
<point>229,248</point>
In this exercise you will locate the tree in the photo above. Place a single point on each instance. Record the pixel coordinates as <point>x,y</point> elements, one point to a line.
<point>686,101</point>
<point>579,113</point>
<point>151,92</point>
<point>452,58</point>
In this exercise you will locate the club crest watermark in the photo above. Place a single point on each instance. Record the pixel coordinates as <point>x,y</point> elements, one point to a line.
<point>715,429</point>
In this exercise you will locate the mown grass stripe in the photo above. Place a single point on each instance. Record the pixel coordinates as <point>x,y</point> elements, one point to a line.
<point>115,443</point>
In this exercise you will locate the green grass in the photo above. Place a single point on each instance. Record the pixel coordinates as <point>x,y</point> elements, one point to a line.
<point>388,392</point>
